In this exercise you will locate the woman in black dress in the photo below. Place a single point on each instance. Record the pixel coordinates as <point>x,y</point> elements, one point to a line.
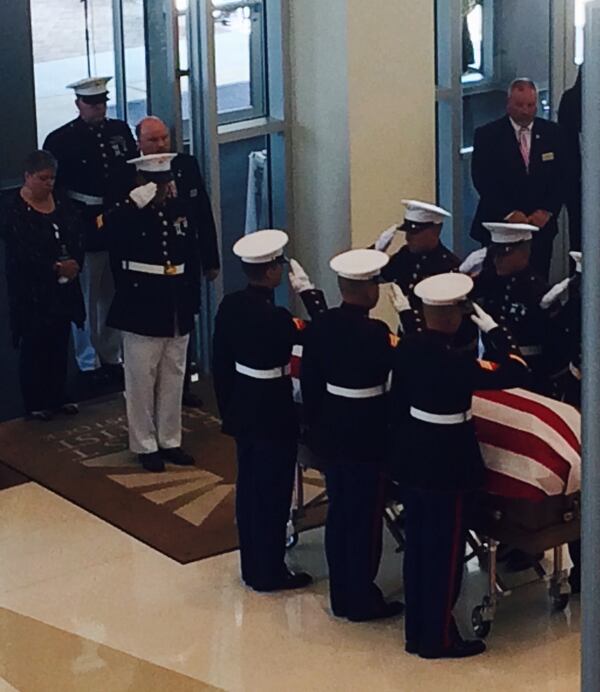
<point>44,253</point>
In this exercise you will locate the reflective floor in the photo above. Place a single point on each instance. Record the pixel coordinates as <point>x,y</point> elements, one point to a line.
<point>85,607</point>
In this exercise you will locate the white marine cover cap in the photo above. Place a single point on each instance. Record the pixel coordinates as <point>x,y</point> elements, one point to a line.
<point>261,247</point>
<point>444,289</point>
<point>504,233</point>
<point>90,86</point>
<point>420,214</point>
<point>153,163</point>
<point>359,265</point>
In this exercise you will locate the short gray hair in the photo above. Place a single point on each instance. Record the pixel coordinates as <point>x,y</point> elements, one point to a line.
<point>521,83</point>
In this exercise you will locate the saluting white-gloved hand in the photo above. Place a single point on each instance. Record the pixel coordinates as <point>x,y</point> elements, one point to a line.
<point>484,321</point>
<point>473,263</point>
<point>382,243</point>
<point>143,194</point>
<point>299,279</point>
<point>554,293</point>
<point>399,300</point>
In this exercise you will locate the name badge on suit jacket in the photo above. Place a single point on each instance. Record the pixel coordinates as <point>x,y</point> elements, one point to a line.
<point>548,156</point>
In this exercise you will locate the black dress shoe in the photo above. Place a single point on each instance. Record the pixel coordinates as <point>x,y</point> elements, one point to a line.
<point>69,409</point>
<point>43,414</point>
<point>411,647</point>
<point>460,649</point>
<point>339,612</point>
<point>385,610</point>
<point>192,400</point>
<point>176,455</point>
<point>291,580</point>
<point>152,462</point>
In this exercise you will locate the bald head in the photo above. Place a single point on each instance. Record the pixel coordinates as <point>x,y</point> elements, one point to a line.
<point>153,136</point>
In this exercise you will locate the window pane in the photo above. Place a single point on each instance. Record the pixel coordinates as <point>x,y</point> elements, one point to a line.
<point>579,30</point>
<point>472,36</point>
<point>239,57</point>
<point>245,199</point>
<point>63,55</point>
<point>135,60</point>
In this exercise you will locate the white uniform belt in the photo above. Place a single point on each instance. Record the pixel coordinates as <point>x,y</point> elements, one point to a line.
<point>531,350</point>
<point>90,200</point>
<point>268,374</point>
<point>441,418</point>
<point>365,393</point>
<point>162,269</point>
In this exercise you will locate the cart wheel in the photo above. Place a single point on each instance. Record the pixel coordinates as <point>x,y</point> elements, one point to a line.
<point>481,627</point>
<point>291,540</point>
<point>560,602</point>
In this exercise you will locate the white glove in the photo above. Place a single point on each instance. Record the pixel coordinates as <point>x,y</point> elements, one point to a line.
<point>473,264</point>
<point>399,300</point>
<point>482,319</point>
<point>382,243</point>
<point>143,194</point>
<point>299,278</point>
<point>554,293</point>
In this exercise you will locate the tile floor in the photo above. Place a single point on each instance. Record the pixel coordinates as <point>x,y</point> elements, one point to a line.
<point>85,607</point>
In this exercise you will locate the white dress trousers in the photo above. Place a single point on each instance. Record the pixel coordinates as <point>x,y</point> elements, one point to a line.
<point>96,343</point>
<point>154,375</point>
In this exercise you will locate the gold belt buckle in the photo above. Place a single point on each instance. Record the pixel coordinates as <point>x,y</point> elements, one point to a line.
<point>170,270</point>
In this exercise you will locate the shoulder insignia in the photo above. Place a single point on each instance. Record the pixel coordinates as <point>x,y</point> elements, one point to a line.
<point>299,324</point>
<point>488,365</point>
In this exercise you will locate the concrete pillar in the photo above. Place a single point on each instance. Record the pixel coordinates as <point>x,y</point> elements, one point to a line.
<point>363,122</point>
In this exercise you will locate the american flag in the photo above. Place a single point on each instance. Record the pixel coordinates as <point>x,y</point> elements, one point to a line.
<point>531,444</point>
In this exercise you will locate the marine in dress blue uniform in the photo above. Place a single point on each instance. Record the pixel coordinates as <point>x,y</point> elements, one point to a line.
<point>423,255</point>
<point>436,456</point>
<point>92,153</point>
<point>511,291</point>
<point>345,370</point>
<point>154,138</point>
<point>252,347</point>
<point>155,264</point>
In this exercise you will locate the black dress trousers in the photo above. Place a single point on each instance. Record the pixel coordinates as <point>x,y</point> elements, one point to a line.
<point>353,537</point>
<point>433,567</point>
<point>43,364</point>
<point>263,497</point>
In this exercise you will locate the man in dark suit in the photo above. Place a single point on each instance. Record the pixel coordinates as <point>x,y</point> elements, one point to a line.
<point>519,168</point>
<point>154,138</point>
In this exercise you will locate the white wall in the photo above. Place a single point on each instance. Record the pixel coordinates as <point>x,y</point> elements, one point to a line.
<point>363,121</point>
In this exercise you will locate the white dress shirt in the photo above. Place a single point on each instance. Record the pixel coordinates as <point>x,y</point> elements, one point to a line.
<point>517,128</point>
